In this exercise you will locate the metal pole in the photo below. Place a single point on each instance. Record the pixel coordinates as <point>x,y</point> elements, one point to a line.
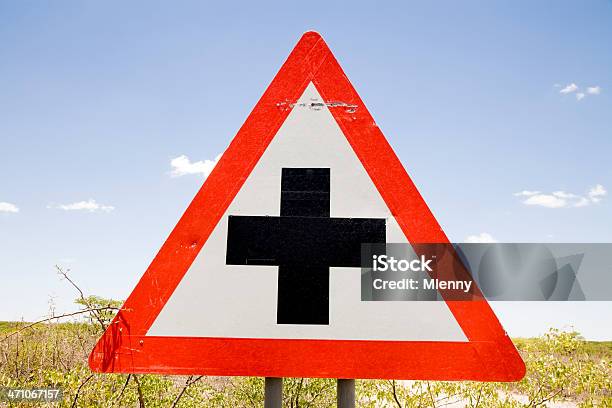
<point>273,396</point>
<point>346,393</point>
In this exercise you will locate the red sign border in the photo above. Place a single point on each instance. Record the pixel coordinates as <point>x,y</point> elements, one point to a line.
<point>489,355</point>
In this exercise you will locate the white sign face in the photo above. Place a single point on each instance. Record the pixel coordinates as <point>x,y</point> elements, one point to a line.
<point>215,299</point>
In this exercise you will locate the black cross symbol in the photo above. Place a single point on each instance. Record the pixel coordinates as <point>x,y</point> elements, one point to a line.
<point>304,242</point>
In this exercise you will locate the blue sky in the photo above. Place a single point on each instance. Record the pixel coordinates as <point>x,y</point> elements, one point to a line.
<point>97,99</point>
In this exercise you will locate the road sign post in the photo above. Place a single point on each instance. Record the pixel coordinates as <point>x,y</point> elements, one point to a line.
<point>346,393</point>
<point>273,392</point>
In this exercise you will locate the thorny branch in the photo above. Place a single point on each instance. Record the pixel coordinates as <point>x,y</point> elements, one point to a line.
<point>49,319</point>
<point>95,314</point>
<point>479,395</point>
<point>190,381</point>
<point>395,394</point>
<point>433,400</point>
<point>76,396</point>
<point>141,401</point>
<point>318,394</point>
<point>548,398</point>
<point>118,398</point>
<point>297,393</point>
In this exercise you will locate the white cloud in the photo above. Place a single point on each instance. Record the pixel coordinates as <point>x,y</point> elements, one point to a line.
<point>526,193</point>
<point>90,205</point>
<point>563,194</point>
<point>182,166</point>
<point>8,207</point>
<point>594,90</point>
<point>580,95</point>
<point>582,202</point>
<point>596,193</point>
<point>562,199</point>
<point>483,237</point>
<point>569,88</point>
<point>546,200</point>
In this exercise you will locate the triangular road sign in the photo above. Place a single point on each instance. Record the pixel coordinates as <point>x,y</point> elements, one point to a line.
<point>310,160</point>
